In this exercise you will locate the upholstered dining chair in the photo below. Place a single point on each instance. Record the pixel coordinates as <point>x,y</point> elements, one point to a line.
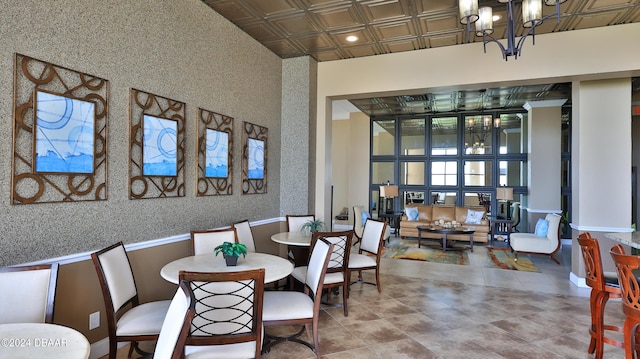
<point>548,244</point>
<point>226,311</point>
<point>369,252</point>
<point>626,267</point>
<point>336,275</point>
<point>297,308</point>
<point>245,235</point>
<point>27,293</point>
<point>128,320</point>
<point>358,225</point>
<point>205,241</point>
<point>175,327</point>
<point>295,222</point>
<point>604,285</point>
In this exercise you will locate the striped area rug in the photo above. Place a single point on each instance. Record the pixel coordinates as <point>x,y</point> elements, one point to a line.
<point>401,249</point>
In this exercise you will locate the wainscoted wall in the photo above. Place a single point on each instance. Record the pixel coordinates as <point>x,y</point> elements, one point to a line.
<point>78,292</point>
<point>181,50</point>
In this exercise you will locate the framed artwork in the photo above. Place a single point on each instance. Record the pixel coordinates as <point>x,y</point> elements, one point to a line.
<point>215,165</point>
<point>254,159</point>
<point>157,137</point>
<point>63,134</point>
<point>159,147</point>
<point>59,134</point>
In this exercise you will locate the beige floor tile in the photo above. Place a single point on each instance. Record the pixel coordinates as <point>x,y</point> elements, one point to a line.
<point>429,310</point>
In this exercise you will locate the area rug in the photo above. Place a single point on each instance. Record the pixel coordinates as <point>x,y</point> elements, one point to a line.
<point>400,249</point>
<point>503,258</point>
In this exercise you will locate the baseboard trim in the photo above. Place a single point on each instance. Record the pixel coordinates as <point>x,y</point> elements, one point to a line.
<point>101,348</point>
<point>578,281</point>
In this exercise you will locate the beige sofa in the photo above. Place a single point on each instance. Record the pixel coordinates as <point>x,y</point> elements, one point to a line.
<point>427,214</point>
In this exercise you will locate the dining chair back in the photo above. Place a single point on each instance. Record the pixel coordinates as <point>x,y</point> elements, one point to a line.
<point>296,308</point>
<point>627,266</point>
<point>295,222</point>
<point>226,314</point>
<point>245,235</point>
<point>368,256</point>
<point>336,275</point>
<point>175,327</point>
<point>127,319</point>
<point>205,241</point>
<point>27,293</point>
<point>604,285</point>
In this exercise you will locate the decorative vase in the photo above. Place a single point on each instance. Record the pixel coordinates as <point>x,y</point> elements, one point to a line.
<point>231,260</point>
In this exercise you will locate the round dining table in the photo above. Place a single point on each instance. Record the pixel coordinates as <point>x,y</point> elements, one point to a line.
<point>298,245</point>
<point>275,268</point>
<point>42,340</point>
<point>292,239</point>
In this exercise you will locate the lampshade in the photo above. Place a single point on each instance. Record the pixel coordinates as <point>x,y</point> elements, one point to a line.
<point>531,12</point>
<point>504,193</point>
<point>388,191</point>
<point>485,21</point>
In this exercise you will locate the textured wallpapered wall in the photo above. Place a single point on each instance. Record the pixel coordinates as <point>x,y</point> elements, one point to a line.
<point>181,50</point>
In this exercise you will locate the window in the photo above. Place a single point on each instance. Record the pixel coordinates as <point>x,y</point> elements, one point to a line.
<point>444,173</point>
<point>444,136</point>
<point>412,137</point>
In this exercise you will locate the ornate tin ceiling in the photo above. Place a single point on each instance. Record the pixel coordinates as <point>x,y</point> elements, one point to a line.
<point>318,28</point>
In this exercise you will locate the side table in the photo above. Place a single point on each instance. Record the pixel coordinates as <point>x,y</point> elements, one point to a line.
<point>495,222</point>
<point>393,219</point>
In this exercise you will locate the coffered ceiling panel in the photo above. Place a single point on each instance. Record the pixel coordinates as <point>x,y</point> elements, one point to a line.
<point>319,28</point>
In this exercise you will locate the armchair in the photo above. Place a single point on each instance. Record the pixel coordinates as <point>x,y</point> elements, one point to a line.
<point>530,243</point>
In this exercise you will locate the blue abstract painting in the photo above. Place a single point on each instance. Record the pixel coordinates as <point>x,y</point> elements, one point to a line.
<point>159,147</point>
<point>64,134</point>
<point>217,154</point>
<point>256,159</point>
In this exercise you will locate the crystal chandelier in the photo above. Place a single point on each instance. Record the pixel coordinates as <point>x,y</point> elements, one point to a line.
<point>483,18</point>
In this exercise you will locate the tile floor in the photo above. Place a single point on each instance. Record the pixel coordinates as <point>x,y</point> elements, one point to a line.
<point>429,310</point>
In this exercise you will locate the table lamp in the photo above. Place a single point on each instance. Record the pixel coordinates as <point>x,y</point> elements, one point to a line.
<point>505,194</point>
<point>389,192</point>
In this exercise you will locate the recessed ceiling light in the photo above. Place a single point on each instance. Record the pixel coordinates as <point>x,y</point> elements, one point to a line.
<point>497,17</point>
<point>352,38</point>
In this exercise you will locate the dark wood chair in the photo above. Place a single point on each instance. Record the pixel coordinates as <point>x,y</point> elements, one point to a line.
<point>128,320</point>
<point>27,293</point>
<point>336,275</point>
<point>225,314</point>
<point>603,287</point>
<point>297,308</point>
<point>627,267</point>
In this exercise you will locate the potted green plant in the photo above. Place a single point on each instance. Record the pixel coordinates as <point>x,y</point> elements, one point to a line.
<point>231,252</point>
<point>309,227</point>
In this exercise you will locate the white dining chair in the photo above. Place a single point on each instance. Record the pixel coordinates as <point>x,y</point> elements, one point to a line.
<point>128,320</point>
<point>369,252</point>
<point>295,222</point>
<point>245,235</point>
<point>175,327</point>
<point>298,308</point>
<point>27,293</point>
<point>205,241</point>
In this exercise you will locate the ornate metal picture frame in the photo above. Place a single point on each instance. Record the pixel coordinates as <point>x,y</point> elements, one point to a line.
<point>215,159</point>
<point>59,134</point>
<point>254,158</point>
<point>157,137</point>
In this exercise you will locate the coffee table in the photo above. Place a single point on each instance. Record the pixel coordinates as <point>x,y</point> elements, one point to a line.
<point>445,232</point>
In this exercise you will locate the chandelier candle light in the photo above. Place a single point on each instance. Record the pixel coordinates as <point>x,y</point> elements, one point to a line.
<point>483,18</point>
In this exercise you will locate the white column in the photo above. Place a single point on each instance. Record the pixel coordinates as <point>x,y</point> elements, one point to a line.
<point>544,129</point>
<point>601,164</point>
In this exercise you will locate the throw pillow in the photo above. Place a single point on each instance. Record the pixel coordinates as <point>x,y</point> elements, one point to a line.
<point>542,227</point>
<point>365,216</point>
<point>474,217</point>
<point>412,213</point>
